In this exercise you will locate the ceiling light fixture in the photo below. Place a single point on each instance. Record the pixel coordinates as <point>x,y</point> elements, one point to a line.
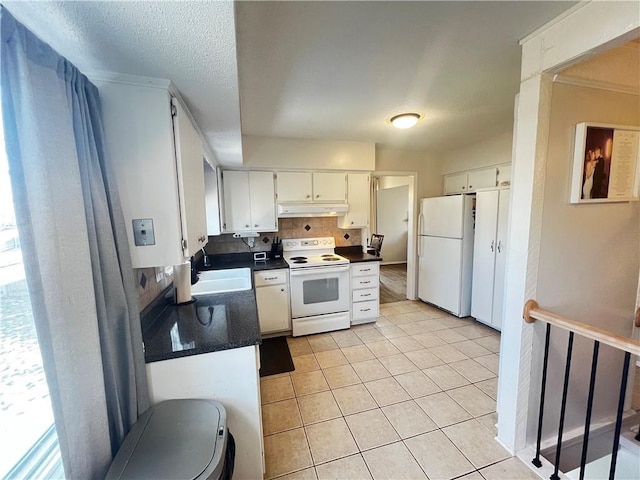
<point>405,120</point>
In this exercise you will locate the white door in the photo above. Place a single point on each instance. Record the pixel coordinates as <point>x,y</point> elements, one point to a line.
<point>330,187</point>
<point>189,162</point>
<point>294,187</point>
<point>501,258</point>
<point>392,221</point>
<point>484,248</point>
<point>442,216</point>
<point>237,204</point>
<point>440,267</point>
<point>263,206</point>
<point>273,308</point>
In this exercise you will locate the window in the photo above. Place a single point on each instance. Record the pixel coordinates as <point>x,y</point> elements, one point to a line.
<point>28,441</point>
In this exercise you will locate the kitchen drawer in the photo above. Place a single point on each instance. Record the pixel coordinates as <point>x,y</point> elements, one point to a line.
<point>364,268</point>
<point>363,295</point>
<point>270,277</point>
<point>370,281</point>
<point>365,310</point>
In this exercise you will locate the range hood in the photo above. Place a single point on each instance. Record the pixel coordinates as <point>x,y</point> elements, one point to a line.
<point>287,210</point>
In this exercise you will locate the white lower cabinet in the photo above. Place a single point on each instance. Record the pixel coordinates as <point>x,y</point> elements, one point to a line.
<point>272,298</point>
<point>228,376</point>
<point>365,296</point>
<point>489,256</point>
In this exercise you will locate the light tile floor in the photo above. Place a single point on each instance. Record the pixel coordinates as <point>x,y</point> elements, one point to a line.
<point>410,396</point>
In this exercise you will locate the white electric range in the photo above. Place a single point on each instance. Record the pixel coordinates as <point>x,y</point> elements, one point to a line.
<point>319,285</point>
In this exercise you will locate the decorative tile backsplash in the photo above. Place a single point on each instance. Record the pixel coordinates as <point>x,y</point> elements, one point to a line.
<point>148,287</point>
<point>288,228</point>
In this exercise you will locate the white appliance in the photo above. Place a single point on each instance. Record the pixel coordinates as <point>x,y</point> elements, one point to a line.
<point>445,252</point>
<point>319,285</point>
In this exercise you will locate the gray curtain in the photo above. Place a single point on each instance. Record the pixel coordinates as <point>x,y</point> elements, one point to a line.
<point>75,250</point>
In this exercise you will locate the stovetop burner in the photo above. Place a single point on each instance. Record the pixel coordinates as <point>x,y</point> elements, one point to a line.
<point>330,259</point>
<point>327,255</point>
<point>298,258</point>
<point>299,261</point>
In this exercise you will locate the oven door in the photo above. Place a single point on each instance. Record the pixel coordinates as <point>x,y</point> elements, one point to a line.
<point>319,290</point>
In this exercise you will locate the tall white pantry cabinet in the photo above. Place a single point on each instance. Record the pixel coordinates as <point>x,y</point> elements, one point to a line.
<point>489,256</point>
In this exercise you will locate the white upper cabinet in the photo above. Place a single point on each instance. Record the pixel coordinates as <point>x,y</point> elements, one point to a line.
<point>211,193</point>
<point>330,187</point>
<point>295,187</point>
<point>455,183</point>
<point>263,207</point>
<point>190,166</point>
<point>157,156</point>
<point>358,194</point>
<point>249,201</point>
<point>304,187</point>
<point>469,182</point>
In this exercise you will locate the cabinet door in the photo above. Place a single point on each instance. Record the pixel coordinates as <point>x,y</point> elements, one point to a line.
<point>358,194</point>
<point>273,308</point>
<point>484,247</point>
<point>237,205</point>
<point>455,183</point>
<point>330,187</point>
<point>501,258</point>
<point>263,207</point>
<point>504,175</point>
<point>212,200</point>
<point>294,187</point>
<point>190,169</point>
<point>485,178</point>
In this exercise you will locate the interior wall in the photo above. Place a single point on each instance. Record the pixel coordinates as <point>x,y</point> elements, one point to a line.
<point>291,153</point>
<point>589,260</point>
<point>493,151</point>
<point>426,164</point>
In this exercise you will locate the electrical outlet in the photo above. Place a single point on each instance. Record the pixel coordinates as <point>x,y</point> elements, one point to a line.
<point>159,274</point>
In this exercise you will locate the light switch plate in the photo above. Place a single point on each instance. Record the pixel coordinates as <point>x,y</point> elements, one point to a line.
<point>143,232</point>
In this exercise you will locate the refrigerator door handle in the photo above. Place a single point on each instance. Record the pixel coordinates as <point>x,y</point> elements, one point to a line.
<point>420,222</point>
<point>419,245</point>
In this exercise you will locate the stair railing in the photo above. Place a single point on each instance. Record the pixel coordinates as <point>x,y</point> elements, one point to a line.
<point>531,313</point>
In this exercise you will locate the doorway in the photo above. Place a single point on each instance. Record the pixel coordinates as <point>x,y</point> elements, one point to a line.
<point>393,216</point>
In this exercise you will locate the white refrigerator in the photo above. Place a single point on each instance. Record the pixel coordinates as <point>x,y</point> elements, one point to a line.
<point>445,252</point>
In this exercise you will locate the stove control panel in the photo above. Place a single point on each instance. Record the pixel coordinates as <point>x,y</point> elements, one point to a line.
<point>308,243</point>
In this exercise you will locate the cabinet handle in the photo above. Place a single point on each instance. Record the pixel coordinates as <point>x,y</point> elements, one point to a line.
<point>256,225</point>
<point>247,226</point>
<point>365,309</point>
<point>317,196</point>
<point>499,246</point>
<point>282,289</point>
<point>368,281</point>
<point>308,196</point>
<point>492,245</point>
<point>351,223</point>
<point>365,295</point>
<point>470,186</point>
<point>270,278</point>
<point>464,188</point>
<point>365,270</point>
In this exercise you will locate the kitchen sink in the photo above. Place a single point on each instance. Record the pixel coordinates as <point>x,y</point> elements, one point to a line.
<point>222,281</point>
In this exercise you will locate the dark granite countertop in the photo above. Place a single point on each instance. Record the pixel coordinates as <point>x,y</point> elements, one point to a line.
<point>210,324</point>
<point>241,260</point>
<point>356,255</point>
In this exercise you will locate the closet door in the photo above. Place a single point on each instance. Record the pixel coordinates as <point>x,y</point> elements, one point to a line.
<point>484,250</point>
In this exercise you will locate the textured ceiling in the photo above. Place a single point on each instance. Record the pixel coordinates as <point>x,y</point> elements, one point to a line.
<point>189,43</point>
<point>338,70</point>
<point>320,70</point>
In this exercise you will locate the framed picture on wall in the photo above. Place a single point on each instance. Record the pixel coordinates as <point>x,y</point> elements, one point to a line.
<point>606,163</point>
